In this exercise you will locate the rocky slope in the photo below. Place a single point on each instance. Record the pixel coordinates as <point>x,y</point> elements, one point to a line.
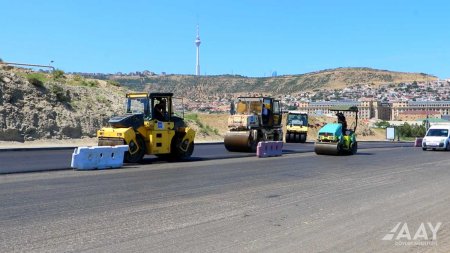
<point>58,109</point>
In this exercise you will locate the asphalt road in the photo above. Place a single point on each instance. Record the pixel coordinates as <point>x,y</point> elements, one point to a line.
<point>299,202</point>
<point>35,159</point>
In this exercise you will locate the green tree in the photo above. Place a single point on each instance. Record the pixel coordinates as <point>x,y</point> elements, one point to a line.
<point>407,130</point>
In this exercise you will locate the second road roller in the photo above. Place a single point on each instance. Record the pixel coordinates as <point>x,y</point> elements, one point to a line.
<point>253,119</point>
<point>337,138</point>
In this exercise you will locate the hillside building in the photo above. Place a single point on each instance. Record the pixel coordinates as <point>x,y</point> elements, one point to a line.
<point>368,109</point>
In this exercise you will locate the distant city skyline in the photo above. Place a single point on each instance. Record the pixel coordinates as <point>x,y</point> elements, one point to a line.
<point>249,38</point>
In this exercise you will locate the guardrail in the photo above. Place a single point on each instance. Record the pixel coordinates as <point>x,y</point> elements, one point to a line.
<point>28,65</point>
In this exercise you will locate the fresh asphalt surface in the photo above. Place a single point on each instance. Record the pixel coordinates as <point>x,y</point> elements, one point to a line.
<point>35,159</point>
<point>300,202</point>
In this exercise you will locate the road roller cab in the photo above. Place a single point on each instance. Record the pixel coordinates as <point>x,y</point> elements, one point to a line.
<point>296,126</point>
<point>336,138</point>
<point>149,126</point>
<point>253,119</point>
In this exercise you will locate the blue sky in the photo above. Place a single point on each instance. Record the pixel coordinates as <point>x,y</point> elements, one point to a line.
<point>251,38</point>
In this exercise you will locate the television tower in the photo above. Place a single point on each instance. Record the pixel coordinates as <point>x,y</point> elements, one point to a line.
<point>197,44</point>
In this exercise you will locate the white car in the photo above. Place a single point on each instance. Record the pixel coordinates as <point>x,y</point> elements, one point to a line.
<point>437,137</point>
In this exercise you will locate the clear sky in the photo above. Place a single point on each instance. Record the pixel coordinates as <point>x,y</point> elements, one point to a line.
<point>246,37</point>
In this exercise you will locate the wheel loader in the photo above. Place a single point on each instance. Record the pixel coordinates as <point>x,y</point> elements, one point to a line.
<point>296,126</point>
<point>336,138</point>
<point>253,119</point>
<point>149,127</point>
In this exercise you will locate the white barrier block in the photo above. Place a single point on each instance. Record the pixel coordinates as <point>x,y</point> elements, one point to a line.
<point>278,148</point>
<point>101,157</point>
<point>261,149</point>
<point>418,142</point>
<point>269,148</point>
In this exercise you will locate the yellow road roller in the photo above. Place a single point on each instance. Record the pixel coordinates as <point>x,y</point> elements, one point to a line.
<point>337,138</point>
<point>149,127</point>
<point>253,119</point>
<point>296,126</point>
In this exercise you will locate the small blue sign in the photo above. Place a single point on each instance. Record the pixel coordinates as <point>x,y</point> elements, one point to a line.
<point>160,125</point>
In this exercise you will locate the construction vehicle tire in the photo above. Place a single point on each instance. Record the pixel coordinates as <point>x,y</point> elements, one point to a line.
<point>139,155</point>
<point>302,138</point>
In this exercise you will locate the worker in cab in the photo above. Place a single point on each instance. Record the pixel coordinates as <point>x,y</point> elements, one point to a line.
<point>160,110</point>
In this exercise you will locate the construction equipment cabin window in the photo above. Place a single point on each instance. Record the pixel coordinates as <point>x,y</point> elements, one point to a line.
<point>249,107</point>
<point>267,111</point>
<point>277,112</point>
<point>297,119</point>
<point>161,109</point>
<point>137,106</point>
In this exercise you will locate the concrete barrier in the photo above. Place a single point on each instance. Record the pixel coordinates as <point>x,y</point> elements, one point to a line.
<point>418,142</point>
<point>101,157</point>
<point>269,148</point>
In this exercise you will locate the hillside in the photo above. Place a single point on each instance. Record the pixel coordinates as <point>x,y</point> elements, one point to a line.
<point>39,106</point>
<point>36,106</point>
<point>225,86</point>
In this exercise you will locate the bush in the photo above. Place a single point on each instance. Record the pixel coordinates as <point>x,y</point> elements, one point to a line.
<point>58,74</point>
<point>113,83</point>
<point>36,82</point>
<point>77,78</point>
<point>89,83</point>
<point>61,96</point>
<point>102,99</point>
<point>382,124</point>
<point>36,79</point>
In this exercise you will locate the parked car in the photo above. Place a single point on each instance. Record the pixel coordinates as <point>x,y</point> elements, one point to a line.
<point>437,137</point>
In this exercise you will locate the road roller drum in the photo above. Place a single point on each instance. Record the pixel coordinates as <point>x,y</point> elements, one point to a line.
<point>327,148</point>
<point>241,141</point>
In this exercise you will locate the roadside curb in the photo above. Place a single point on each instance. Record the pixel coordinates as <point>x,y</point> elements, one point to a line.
<point>6,149</point>
<point>35,148</point>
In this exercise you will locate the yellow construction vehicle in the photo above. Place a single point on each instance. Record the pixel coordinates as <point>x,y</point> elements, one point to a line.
<point>149,127</point>
<point>253,119</point>
<point>296,126</point>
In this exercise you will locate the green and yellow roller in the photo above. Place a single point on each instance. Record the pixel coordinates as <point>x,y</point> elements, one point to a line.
<point>337,138</point>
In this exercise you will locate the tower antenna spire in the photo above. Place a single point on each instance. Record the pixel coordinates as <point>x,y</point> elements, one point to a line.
<point>197,44</point>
